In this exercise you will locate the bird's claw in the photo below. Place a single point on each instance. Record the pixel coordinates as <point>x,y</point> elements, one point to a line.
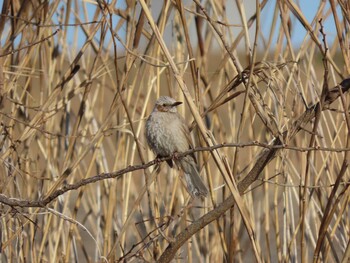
<point>176,156</point>
<point>158,159</point>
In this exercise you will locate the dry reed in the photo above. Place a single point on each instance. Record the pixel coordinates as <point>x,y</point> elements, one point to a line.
<point>270,119</point>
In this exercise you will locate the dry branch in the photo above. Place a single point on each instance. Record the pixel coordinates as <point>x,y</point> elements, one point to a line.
<point>15,202</point>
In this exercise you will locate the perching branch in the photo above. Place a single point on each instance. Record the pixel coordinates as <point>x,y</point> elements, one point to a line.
<point>117,174</point>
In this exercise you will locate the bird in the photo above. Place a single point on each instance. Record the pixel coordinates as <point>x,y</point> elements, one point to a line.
<point>167,134</point>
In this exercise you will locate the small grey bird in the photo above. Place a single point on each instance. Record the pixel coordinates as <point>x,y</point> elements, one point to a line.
<point>167,133</point>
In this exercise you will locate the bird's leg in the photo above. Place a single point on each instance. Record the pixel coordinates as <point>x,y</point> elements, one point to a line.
<point>175,156</point>
<point>158,159</point>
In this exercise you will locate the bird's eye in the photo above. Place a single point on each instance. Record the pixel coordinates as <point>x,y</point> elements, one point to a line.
<point>164,105</point>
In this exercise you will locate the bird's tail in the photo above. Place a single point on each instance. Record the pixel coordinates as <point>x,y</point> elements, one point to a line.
<point>195,184</point>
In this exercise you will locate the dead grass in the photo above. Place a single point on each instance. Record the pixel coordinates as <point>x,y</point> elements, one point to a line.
<point>77,183</point>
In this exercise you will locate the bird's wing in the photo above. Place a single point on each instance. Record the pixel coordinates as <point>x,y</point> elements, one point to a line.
<point>186,132</point>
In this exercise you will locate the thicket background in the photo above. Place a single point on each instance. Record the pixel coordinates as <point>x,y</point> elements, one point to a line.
<point>270,122</point>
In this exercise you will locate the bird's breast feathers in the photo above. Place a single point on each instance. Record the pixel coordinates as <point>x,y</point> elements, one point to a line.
<point>165,133</point>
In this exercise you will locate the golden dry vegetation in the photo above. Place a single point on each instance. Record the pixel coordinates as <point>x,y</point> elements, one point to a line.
<point>269,117</point>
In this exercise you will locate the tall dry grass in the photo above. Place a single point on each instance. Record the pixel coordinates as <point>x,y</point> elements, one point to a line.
<point>271,124</point>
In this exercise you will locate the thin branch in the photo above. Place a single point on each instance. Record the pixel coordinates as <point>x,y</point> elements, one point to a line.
<point>117,174</point>
<point>48,25</point>
<point>30,45</point>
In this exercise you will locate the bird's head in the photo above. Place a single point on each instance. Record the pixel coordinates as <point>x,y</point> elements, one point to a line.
<point>166,104</point>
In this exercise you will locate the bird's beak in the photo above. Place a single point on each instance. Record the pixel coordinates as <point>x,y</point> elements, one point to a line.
<point>176,103</point>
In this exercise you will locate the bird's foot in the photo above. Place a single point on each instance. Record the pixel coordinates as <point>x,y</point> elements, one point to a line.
<point>158,159</point>
<point>176,156</point>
